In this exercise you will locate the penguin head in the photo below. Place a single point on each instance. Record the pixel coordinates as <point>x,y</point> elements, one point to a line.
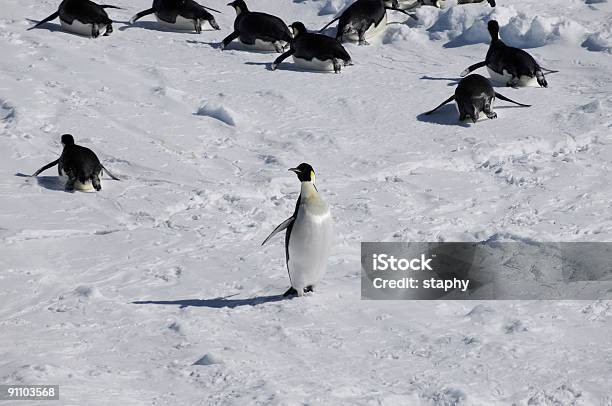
<point>298,28</point>
<point>67,140</point>
<point>492,3</point>
<point>239,5</point>
<point>304,172</point>
<point>493,27</point>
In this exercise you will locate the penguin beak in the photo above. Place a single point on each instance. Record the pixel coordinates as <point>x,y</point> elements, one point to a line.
<point>296,170</point>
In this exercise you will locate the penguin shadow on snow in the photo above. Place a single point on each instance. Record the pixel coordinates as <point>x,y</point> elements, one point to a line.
<point>151,25</point>
<point>49,26</point>
<point>217,303</point>
<point>47,182</point>
<point>287,67</point>
<point>214,45</point>
<point>446,115</point>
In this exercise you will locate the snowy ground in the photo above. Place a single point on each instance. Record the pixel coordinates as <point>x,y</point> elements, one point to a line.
<point>203,138</point>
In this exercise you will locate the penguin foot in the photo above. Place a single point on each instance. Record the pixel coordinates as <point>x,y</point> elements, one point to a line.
<point>491,115</point>
<point>308,289</point>
<point>109,30</point>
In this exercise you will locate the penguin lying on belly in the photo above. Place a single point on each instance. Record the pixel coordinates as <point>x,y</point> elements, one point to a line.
<point>184,15</point>
<point>475,95</point>
<point>308,239</point>
<point>316,52</point>
<point>82,17</point>
<point>79,165</point>
<point>259,31</point>
<point>511,66</point>
<point>364,19</point>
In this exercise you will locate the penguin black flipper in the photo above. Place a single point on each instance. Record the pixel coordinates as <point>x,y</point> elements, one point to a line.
<point>279,228</point>
<point>44,168</point>
<point>108,6</point>
<point>281,58</point>
<point>473,68</point>
<point>226,41</point>
<point>502,97</point>
<point>330,23</point>
<point>414,17</point>
<point>110,174</point>
<point>46,20</point>
<point>450,99</point>
<point>141,14</point>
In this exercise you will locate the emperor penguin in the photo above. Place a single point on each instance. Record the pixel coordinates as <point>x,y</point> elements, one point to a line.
<point>315,51</point>
<point>182,15</point>
<point>474,96</point>
<point>364,19</point>
<point>308,239</point>
<point>510,66</point>
<point>82,17</point>
<point>258,31</point>
<point>79,165</point>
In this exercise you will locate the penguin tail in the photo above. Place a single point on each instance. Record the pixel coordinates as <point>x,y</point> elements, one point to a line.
<point>141,14</point>
<point>450,99</point>
<point>473,68</point>
<point>44,168</point>
<point>502,97</point>
<point>51,17</point>
<point>329,23</point>
<point>110,174</point>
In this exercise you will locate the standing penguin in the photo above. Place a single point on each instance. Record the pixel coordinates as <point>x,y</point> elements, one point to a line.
<point>511,66</point>
<point>82,17</point>
<point>80,165</point>
<point>259,31</point>
<point>475,95</point>
<point>364,19</point>
<point>186,15</point>
<point>315,51</point>
<point>308,238</point>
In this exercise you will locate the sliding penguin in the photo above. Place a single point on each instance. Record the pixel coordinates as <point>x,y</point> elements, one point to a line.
<point>511,66</point>
<point>474,94</point>
<point>82,17</point>
<point>80,165</point>
<point>259,31</point>
<point>308,238</point>
<point>364,19</point>
<point>312,51</point>
<point>183,15</point>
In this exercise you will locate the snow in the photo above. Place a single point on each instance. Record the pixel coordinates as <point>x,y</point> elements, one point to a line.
<point>116,295</point>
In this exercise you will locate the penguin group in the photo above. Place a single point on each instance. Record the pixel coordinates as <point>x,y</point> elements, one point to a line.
<point>309,230</point>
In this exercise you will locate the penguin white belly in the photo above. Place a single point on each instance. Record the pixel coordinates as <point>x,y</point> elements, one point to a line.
<point>524,81</point>
<point>309,248</point>
<point>371,32</point>
<point>82,187</point>
<point>79,28</point>
<point>184,24</point>
<point>314,64</point>
<point>260,45</point>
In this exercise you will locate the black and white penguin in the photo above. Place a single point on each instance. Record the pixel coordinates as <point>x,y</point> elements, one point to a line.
<point>182,15</point>
<point>308,239</point>
<point>312,51</point>
<point>364,19</point>
<point>258,31</point>
<point>510,66</point>
<point>82,17</point>
<point>474,96</point>
<point>79,165</point>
